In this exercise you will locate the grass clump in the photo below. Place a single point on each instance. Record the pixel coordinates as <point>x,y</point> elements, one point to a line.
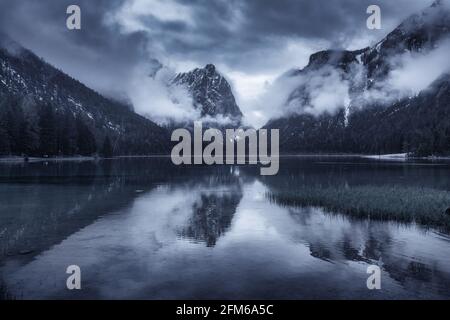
<point>424,206</point>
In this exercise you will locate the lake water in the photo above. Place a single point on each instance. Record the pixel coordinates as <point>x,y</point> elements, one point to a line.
<point>145,229</point>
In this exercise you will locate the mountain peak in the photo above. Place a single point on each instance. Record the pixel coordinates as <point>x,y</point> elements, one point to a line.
<point>432,19</point>
<point>211,92</point>
<point>210,69</point>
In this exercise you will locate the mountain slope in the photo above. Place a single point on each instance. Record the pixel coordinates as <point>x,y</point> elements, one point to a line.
<point>31,88</point>
<point>356,122</point>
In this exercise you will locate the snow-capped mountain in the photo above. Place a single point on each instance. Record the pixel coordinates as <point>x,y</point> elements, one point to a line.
<point>365,111</point>
<point>31,90</point>
<point>420,32</point>
<point>212,95</point>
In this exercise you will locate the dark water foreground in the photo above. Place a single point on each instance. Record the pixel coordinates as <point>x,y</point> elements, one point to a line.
<point>145,229</point>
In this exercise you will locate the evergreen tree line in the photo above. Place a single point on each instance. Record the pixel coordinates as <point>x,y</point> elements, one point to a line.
<point>419,130</point>
<point>45,132</point>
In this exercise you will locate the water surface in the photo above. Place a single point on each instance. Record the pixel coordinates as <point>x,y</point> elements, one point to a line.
<point>145,229</point>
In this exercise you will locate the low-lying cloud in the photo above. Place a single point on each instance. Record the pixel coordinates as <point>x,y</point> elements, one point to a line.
<point>328,89</point>
<point>253,40</point>
<point>417,71</point>
<point>153,96</point>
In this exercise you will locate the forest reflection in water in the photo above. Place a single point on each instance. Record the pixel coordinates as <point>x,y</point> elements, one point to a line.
<point>143,228</point>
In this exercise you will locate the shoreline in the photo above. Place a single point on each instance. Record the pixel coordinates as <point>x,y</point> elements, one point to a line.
<point>386,157</point>
<point>16,159</point>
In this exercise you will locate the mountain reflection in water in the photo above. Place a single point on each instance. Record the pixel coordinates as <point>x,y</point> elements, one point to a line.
<point>142,228</point>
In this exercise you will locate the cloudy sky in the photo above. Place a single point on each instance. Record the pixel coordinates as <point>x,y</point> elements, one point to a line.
<point>250,41</point>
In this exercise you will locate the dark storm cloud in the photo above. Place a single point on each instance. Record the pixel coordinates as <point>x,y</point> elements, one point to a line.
<point>98,54</point>
<point>251,36</point>
<point>232,31</point>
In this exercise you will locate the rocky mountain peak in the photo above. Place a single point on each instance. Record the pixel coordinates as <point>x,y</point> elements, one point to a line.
<point>421,32</point>
<point>210,69</point>
<point>211,93</point>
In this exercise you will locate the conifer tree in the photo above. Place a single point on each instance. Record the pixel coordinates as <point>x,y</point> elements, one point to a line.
<point>107,149</point>
<point>47,131</point>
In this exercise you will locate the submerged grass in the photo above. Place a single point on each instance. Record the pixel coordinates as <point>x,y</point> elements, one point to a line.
<point>424,206</point>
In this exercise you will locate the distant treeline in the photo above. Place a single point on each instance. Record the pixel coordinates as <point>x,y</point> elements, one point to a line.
<point>45,132</point>
<point>367,133</point>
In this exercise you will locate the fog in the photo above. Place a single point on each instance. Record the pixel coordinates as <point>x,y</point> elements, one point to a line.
<point>328,89</point>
